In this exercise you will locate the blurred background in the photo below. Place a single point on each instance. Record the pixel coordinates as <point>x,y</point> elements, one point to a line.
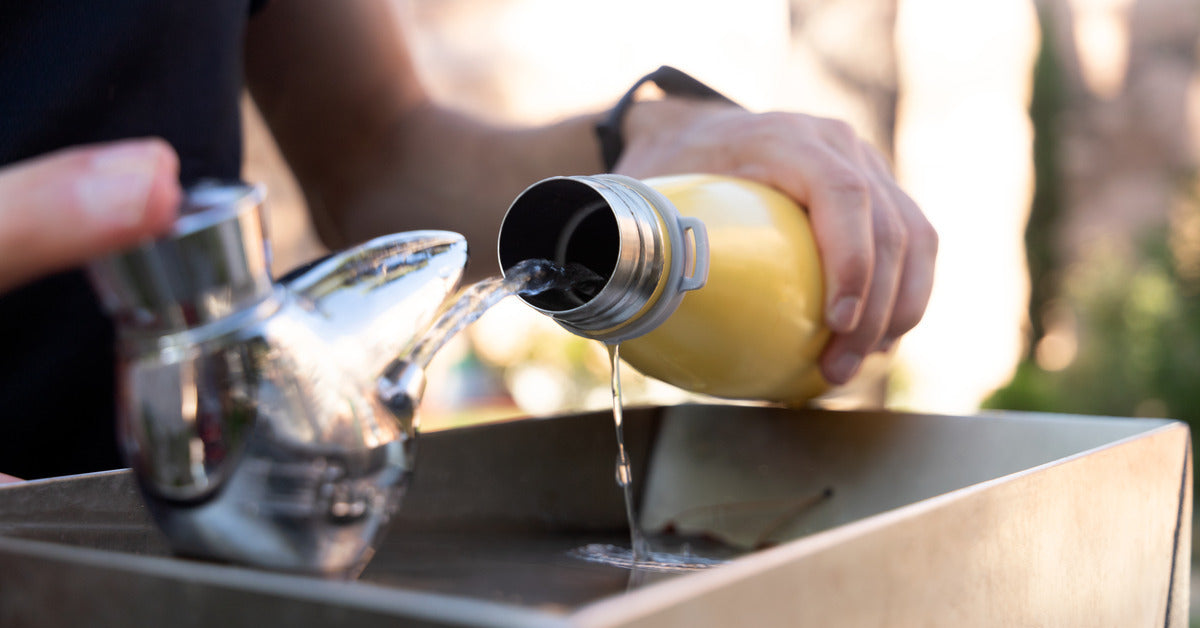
<point>1051,143</point>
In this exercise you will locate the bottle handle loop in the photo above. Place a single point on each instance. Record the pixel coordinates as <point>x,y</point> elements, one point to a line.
<point>695,253</point>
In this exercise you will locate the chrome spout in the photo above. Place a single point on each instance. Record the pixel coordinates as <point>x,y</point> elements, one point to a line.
<point>378,297</point>
<point>250,409</point>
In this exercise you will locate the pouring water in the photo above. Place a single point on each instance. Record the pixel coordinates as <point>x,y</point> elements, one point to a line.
<point>572,282</point>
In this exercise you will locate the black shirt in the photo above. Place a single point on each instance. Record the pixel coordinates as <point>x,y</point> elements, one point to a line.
<point>76,72</point>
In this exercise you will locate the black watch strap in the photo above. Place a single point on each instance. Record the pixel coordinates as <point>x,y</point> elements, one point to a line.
<point>672,82</point>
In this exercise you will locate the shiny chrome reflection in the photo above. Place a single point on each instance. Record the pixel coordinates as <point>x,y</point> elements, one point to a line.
<point>249,409</point>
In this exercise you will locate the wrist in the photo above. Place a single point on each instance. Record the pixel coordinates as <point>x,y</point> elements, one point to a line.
<point>657,122</point>
<point>674,136</point>
<point>663,85</point>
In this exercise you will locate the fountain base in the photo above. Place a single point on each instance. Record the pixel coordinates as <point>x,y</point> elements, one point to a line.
<point>829,518</point>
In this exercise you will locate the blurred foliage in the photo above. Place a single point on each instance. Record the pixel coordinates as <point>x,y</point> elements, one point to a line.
<point>1117,333</point>
<point>1133,329</point>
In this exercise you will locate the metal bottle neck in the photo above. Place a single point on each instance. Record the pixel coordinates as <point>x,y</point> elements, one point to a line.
<point>619,228</point>
<point>214,262</point>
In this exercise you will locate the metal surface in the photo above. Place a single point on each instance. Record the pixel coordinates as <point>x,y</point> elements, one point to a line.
<point>939,521</point>
<point>250,410</point>
<point>213,263</point>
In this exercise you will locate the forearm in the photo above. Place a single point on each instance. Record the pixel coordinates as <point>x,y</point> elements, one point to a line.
<point>372,152</point>
<point>438,168</point>
<point>435,168</point>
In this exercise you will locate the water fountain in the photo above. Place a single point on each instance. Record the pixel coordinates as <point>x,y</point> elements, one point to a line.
<point>801,516</point>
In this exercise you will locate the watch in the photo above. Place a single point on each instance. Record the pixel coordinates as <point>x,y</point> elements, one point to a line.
<point>672,82</point>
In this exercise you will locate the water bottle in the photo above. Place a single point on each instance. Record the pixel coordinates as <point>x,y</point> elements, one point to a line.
<point>710,283</point>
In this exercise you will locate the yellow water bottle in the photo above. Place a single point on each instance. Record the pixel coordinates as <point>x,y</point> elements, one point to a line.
<point>711,283</point>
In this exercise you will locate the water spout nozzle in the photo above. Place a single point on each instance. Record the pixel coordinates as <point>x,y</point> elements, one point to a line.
<point>401,387</point>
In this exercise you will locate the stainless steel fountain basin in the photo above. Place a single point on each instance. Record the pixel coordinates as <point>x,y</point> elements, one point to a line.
<point>846,519</point>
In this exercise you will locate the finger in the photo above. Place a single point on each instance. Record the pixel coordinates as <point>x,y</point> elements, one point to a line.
<point>844,353</point>
<point>838,198</point>
<point>917,276</point>
<point>64,208</point>
<point>917,273</point>
<point>8,479</point>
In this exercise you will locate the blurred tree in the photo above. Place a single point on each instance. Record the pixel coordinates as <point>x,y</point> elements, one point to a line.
<point>1113,239</point>
<point>1045,107</point>
<point>844,55</point>
<point>1136,334</point>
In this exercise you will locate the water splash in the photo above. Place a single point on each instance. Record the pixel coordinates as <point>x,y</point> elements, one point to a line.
<point>652,562</point>
<point>532,277</point>
<point>529,277</point>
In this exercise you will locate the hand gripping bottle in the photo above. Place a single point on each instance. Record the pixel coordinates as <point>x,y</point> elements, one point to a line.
<point>710,283</point>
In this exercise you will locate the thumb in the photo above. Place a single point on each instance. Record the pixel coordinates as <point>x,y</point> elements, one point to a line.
<point>61,209</point>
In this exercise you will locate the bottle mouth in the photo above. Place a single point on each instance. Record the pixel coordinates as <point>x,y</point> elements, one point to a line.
<point>616,227</point>
<point>567,222</point>
<point>619,228</point>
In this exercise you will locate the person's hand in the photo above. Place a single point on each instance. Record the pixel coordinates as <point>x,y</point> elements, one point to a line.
<point>8,479</point>
<point>876,246</point>
<point>61,209</point>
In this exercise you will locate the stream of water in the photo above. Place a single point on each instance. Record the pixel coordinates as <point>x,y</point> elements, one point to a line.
<point>532,277</point>
<point>637,540</point>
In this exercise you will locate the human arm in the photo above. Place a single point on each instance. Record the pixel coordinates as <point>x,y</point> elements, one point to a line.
<point>372,151</point>
<point>402,161</point>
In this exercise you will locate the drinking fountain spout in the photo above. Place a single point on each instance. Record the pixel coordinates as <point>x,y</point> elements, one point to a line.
<point>252,411</point>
